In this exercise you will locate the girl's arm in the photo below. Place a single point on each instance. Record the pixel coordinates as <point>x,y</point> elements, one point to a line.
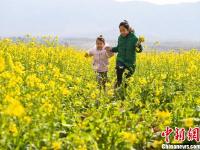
<point>89,53</point>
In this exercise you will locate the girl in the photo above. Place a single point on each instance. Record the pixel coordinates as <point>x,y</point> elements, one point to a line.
<point>127,47</point>
<point>100,61</point>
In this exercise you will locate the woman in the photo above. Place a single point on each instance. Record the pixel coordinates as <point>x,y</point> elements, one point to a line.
<point>126,49</point>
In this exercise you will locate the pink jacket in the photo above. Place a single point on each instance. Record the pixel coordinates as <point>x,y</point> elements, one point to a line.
<point>100,59</point>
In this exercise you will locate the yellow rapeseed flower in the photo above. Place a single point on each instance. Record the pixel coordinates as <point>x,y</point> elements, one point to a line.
<point>141,39</point>
<point>2,64</point>
<point>129,137</point>
<point>32,80</point>
<point>44,148</point>
<point>19,68</point>
<point>163,114</point>
<point>27,119</point>
<point>56,145</point>
<point>65,91</point>
<point>41,68</point>
<point>13,129</point>
<point>10,61</point>
<point>93,95</point>
<point>142,81</point>
<point>15,108</point>
<point>157,144</point>
<point>47,106</point>
<point>189,122</point>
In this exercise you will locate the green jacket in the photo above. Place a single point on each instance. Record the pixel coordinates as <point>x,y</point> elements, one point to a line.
<point>126,49</point>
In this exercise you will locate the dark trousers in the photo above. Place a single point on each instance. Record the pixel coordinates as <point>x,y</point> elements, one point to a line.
<point>101,79</point>
<point>121,69</point>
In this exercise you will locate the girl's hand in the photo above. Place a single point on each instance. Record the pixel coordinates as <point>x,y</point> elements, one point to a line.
<point>86,55</point>
<point>108,48</point>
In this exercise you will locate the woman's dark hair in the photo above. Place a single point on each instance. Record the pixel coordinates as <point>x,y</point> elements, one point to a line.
<point>101,38</point>
<point>126,25</point>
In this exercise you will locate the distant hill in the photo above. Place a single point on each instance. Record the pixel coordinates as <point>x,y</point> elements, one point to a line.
<point>87,43</point>
<point>148,46</point>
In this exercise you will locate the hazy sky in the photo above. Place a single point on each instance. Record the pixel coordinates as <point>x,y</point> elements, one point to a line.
<point>163,2</point>
<point>90,18</point>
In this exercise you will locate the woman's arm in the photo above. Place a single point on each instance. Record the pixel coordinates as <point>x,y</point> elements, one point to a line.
<point>113,49</point>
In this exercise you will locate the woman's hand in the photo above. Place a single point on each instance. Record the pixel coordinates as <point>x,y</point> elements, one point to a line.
<point>139,48</point>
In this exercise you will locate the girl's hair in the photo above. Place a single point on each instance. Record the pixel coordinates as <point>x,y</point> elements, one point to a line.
<point>126,25</point>
<point>101,38</point>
